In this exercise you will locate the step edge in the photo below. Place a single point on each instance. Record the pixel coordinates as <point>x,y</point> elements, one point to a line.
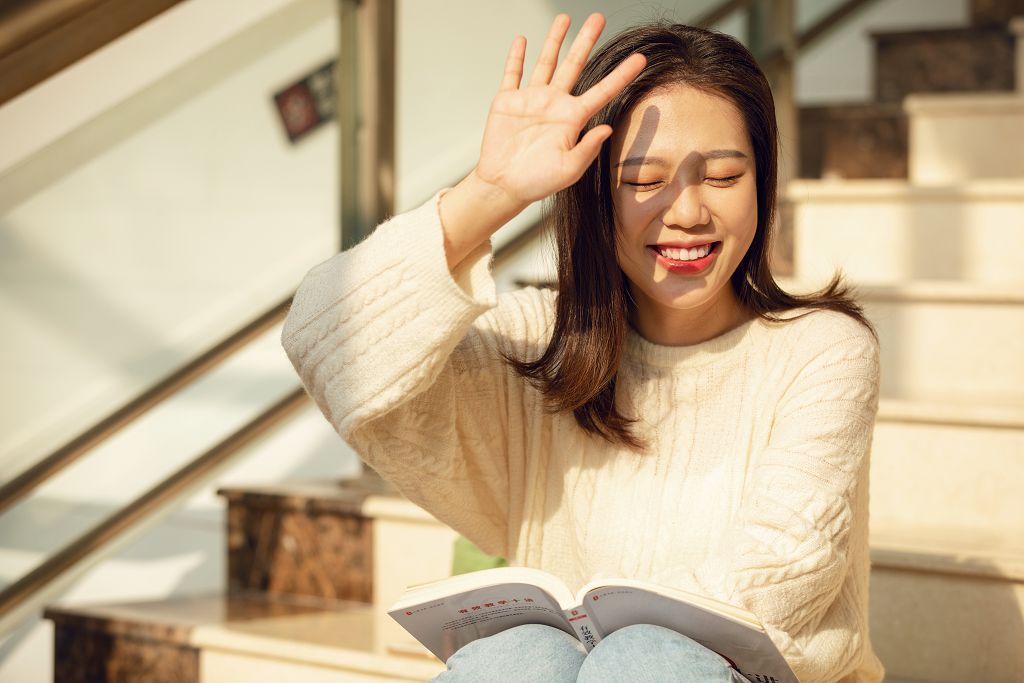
<point>946,550</point>
<point>924,291</point>
<point>992,414</point>
<point>216,638</point>
<point>807,190</point>
<point>957,103</point>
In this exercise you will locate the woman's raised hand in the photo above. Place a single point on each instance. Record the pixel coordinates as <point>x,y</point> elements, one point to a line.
<point>531,146</point>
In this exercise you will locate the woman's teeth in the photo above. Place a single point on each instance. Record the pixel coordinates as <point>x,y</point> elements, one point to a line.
<point>685,254</point>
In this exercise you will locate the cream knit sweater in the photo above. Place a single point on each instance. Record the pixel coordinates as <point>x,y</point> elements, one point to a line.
<point>755,490</point>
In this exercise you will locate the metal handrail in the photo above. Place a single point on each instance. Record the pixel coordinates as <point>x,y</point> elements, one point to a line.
<point>23,484</point>
<point>175,485</point>
<point>40,37</point>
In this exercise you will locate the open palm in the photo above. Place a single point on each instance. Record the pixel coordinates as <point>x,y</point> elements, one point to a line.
<point>531,146</point>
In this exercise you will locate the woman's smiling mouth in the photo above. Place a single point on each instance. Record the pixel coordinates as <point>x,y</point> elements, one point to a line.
<point>686,260</point>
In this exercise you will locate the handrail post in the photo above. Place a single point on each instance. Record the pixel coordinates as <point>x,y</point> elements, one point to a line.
<point>773,41</point>
<point>366,115</point>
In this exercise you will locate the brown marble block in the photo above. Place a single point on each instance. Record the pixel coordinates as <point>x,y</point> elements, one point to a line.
<point>96,649</point>
<point>302,539</point>
<point>943,60</point>
<point>149,642</point>
<point>995,12</point>
<point>853,141</point>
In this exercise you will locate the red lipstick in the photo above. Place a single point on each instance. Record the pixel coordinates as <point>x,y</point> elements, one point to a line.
<point>686,267</point>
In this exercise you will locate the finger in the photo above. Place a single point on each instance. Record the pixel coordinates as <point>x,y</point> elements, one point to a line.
<point>585,151</point>
<point>514,64</point>
<point>611,85</point>
<point>572,65</point>
<point>549,53</point>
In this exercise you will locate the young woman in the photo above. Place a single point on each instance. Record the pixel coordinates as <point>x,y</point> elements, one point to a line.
<point>669,414</point>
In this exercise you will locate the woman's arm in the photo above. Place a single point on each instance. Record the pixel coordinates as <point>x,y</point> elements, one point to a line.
<point>396,339</point>
<point>396,351</point>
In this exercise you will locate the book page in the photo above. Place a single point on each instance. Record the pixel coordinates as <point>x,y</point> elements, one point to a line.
<point>447,623</point>
<point>746,648</point>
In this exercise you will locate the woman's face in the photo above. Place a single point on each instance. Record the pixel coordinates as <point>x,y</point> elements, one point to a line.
<point>684,192</point>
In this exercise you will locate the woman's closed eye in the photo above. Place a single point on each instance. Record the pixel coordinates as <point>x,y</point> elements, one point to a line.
<point>648,186</point>
<point>714,181</point>
<point>725,181</point>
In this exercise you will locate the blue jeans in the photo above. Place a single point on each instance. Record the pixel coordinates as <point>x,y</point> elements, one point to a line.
<point>541,654</point>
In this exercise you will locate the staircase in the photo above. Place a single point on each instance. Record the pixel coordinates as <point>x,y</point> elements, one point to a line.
<point>920,200</point>
<point>310,567</point>
<point>919,197</point>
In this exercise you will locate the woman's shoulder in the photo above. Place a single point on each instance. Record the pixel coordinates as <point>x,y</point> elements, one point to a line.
<point>814,331</point>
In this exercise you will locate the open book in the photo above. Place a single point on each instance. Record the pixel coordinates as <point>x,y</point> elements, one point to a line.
<point>447,614</point>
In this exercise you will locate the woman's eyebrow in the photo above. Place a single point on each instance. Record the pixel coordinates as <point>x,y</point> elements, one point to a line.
<point>657,161</point>
<point>724,154</point>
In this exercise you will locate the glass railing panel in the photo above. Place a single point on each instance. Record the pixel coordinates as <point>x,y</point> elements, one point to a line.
<point>178,212</point>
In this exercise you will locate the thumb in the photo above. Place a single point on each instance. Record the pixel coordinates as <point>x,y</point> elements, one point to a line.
<point>586,149</point>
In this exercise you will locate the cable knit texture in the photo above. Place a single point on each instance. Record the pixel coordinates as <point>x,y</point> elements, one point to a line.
<point>754,490</point>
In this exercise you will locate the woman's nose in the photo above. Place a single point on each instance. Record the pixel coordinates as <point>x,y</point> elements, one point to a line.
<point>687,208</point>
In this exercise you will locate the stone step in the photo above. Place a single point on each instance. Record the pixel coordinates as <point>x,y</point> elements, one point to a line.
<point>946,605</point>
<point>946,342</point>
<point>995,12</point>
<point>957,138</point>
<point>251,637</point>
<point>889,231</point>
<point>853,141</point>
<point>355,540</point>
<point>957,465</point>
<point>970,59</point>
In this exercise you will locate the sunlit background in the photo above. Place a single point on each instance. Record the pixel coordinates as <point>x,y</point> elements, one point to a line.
<point>170,170</point>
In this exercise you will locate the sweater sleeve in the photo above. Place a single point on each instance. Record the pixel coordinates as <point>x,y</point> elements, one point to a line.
<point>395,350</point>
<point>803,517</point>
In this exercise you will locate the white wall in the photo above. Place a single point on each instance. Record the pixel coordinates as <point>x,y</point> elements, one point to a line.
<point>157,227</point>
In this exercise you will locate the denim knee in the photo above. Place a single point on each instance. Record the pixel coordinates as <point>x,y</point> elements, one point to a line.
<point>528,653</point>
<point>644,652</point>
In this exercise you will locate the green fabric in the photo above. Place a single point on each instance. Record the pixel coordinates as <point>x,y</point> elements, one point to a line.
<point>468,558</point>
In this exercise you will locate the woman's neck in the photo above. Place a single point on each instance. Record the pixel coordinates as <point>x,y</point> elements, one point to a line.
<point>684,327</point>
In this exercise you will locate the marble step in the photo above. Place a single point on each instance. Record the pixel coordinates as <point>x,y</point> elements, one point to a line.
<point>954,464</point>
<point>947,605</point>
<point>995,12</point>
<point>946,342</point>
<point>864,140</point>
<point>965,59</point>
<point>890,231</point>
<point>945,608</point>
<point>214,638</point>
<point>353,540</point>
<point>956,138</point>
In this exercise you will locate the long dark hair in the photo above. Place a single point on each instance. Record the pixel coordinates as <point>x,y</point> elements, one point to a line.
<point>578,370</point>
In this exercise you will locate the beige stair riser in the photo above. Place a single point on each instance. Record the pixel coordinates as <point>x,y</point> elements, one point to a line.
<point>947,628</point>
<point>899,237</point>
<point>950,475</point>
<point>965,137</point>
<point>955,350</point>
<point>409,547</point>
<point>216,666</point>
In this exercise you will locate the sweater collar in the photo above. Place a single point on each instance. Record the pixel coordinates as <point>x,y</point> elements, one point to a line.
<point>644,352</point>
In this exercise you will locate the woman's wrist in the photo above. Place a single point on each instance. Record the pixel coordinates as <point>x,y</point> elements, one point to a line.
<point>471,212</point>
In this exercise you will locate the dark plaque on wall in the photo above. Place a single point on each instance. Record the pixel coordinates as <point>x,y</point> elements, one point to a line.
<point>308,103</point>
